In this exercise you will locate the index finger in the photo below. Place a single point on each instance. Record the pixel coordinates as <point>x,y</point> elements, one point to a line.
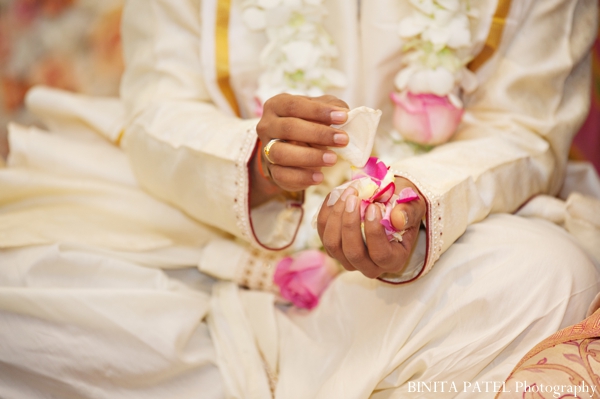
<point>287,105</point>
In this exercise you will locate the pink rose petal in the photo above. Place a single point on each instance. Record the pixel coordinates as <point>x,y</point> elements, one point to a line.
<point>375,168</point>
<point>425,118</point>
<point>303,278</point>
<point>384,194</point>
<point>407,195</point>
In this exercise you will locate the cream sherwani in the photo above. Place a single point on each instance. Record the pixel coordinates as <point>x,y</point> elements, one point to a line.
<point>120,264</point>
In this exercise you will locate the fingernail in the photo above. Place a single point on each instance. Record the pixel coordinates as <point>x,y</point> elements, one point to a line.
<point>317,177</point>
<point>405,216</point>
<point>338,117</point>
<point>329,158</point>
<point>346,193</point>
<point>340,138</point>
<point>371,212</point>
<point>351,203</point>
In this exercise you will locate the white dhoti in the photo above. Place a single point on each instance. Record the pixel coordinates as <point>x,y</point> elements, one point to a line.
<point>101,294</point>
<point>85,318</point>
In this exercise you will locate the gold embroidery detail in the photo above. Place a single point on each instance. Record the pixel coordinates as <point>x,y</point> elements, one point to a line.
<point>222,53</point>
<point>494,37</point>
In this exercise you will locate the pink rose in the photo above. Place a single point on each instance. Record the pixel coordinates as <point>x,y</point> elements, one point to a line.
<point>425,118</point>
<point>303,278</point>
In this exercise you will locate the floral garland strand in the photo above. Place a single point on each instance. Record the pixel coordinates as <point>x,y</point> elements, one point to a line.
<point>299,54</point>
<point>298,60</point>
<point>438,43</point>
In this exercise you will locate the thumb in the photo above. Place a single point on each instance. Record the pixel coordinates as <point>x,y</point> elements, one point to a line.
<point>407,214</point>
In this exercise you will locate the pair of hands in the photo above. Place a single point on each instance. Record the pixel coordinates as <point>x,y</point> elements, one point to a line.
<point>305,125</point>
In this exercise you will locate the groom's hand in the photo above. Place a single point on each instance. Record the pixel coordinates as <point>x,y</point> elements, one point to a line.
<point>304,124</point>
<point>340,232</point>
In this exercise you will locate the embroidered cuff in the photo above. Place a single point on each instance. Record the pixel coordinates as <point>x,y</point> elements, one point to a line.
<point>238,262</point>
<point>271,226</point>
<point>428,252</point>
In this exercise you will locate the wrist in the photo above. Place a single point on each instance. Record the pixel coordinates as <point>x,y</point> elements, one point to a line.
<point>262,187</point>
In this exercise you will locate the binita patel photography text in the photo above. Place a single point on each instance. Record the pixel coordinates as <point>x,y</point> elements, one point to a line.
<point>582,390</point>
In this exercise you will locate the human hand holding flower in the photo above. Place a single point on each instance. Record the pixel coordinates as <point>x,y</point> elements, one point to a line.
<point>339,226</point>
<point>302,126</point>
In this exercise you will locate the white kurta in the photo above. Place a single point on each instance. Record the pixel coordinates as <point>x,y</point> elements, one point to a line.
<point>100,290</point>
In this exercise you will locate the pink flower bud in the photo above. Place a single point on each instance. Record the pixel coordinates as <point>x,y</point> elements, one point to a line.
<point>425,118</point>
<point>303,278</point>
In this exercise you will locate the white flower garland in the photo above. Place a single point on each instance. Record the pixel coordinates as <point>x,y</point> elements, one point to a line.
<point>299,54</point>
<point>437,47</point>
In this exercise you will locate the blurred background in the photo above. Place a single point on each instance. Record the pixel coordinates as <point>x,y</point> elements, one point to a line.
<point>69,44</point>
<point>76,45</point>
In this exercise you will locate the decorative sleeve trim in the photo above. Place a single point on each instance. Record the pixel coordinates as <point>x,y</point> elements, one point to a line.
<point>434,225</point>
<point>256,269</point>
<point>291,210</point>
<point>241,205</point>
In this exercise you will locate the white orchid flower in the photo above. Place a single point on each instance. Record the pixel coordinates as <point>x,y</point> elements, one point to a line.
<point>266,4</point>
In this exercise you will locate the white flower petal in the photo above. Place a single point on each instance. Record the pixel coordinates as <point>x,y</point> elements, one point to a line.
<point>299,53</point>
<point>425,6</point>
<point>455,101</point>
<point>460,34</point>
<point>441,81</point>
<point>313,74</point>
<point>419,82</point>
<point>292,4</point>
<point>403,77</point>
<point>314,92</point>
<point>442,17</point>
<point>268,3</point>
<point>412,26</point>
<point>437,36</point>
<point>468,81</point>
<point>452,5</point>
<point>254,18</point>
<point>277,16</point>
<point>336,78</point>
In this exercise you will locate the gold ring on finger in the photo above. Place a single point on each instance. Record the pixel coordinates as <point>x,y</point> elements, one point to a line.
<point>267,149</point>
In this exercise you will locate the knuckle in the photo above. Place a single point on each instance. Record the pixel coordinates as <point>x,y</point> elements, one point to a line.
<point>338,208</point>
<point>269,103</point>
<point>323,135</point>
<point>348,224</point>
<point>287,127</point>
<point>332,245</point>
<point>262,127</point>
<point>372,274</point>
<point>341,103</point>
<point>381,256</point>
<point>322,218</point>
<point>354,255</point>
<point>347,267</point>
<point>290,105</point>
<point>304,177</point>
<point>277,173</point>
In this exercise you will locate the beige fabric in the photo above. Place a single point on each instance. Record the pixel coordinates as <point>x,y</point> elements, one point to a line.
<point>100,290</point>
<point>515,136</point>
<point>578,213</point>
<point>85,320</point>
<point>512,144</point>
<point>169,115</point>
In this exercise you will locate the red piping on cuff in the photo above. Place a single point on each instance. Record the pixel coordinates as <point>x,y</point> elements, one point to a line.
<point>427,247</point>
<point>299,205</point>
